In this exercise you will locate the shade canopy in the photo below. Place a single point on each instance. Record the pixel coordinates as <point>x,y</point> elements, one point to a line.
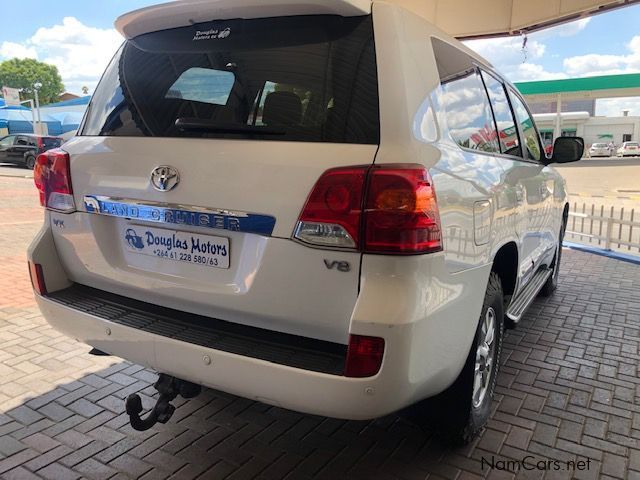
<point>488,18</point>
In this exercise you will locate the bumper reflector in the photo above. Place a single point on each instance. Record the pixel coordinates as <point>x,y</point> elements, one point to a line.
<point>364,356</point>
<point>37,278</point>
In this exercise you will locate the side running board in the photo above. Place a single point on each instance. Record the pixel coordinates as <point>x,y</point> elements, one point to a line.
<point>520,303</point>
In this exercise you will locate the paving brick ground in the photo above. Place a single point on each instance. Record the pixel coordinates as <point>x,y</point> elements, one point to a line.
<point>568,391</point>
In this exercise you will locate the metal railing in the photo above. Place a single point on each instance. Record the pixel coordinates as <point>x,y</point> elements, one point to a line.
<point>608,227</point>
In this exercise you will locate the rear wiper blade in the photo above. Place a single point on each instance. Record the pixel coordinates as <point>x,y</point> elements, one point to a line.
<point>196,124</point>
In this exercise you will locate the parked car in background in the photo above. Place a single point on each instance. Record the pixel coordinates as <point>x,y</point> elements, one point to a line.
<point>600,150</point>
<point>260,220</point>
<point>22,149</point>
<point>629,149</point>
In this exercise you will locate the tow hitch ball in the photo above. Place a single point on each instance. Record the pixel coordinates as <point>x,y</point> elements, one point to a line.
<point>169,388</point>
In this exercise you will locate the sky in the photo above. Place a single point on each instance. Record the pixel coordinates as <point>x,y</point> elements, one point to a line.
<point>78,37</point>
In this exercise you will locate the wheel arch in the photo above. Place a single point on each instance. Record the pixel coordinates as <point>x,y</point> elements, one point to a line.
<point>505,264</point>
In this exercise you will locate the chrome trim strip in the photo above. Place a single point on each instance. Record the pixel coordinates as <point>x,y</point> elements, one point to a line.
<point>176,214</point>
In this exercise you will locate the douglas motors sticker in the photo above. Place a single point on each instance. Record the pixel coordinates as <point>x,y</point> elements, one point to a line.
<point>212,34</point>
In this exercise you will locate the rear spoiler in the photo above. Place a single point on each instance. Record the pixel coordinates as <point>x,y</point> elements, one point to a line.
<point>182,13</point>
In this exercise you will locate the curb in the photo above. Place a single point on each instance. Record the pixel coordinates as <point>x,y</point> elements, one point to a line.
<point>4,175</point>
<point>625,257</point>
<point>615,197</point>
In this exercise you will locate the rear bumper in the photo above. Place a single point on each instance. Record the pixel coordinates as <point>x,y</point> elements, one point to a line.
<point>426,315</point>
<point>280,385</point>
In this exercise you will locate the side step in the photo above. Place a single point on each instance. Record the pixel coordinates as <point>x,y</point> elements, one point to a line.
<point>520,303</point>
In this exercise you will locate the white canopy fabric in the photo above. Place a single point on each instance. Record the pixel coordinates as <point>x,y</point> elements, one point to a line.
<point>466,19</point>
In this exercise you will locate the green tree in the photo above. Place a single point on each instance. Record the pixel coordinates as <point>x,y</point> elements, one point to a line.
<point>23,73</point>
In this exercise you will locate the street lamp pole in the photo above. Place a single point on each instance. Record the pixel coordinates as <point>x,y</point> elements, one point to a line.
<point>37,86</point>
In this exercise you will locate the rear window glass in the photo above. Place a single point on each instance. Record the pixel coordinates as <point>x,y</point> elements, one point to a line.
<point>51,142</point>
<point>631,144</point>
<point>304,78</point>
<point>599,145</point>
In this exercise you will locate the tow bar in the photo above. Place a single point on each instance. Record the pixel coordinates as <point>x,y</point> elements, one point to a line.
<point>169,388</point>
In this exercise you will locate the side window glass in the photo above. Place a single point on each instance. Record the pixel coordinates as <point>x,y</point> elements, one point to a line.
<point>22,141</point>
<point>507,131</point>
<point>530,140</point>
<point>464,100</point>
<point>206,85</point>
<point>7,141</point>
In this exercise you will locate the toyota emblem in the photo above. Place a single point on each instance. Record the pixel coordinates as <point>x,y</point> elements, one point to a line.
<point>164,178</point>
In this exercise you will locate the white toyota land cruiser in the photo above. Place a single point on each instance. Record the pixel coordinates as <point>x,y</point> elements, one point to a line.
<point>332,207</point>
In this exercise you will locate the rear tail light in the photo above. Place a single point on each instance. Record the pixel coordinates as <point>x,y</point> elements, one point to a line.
<point>364,356</point>
<point>52,176</point>
<point>401,212</point>
<point>332,214</point>
<point>382,209</point>
<point>37,278</point>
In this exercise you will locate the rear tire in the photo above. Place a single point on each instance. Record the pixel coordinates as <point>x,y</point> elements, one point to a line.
<point>460,412</point>
<point>30,162</point>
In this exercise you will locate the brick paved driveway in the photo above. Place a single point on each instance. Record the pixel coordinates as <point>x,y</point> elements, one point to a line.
<point>568,391</point>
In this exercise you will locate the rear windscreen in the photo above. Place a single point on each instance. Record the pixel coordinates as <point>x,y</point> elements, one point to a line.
<point>51,143</point>
<point>301,78</point>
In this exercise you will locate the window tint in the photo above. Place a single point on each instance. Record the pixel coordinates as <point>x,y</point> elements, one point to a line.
<point>507,132</point>
<point>296,78</point>
<point>22,141</point>
<point>299,95</point>
<point>50,142</point>
<point>7,141</point>
<point>464,100</point>
<point>203,85</point>
<point>530,140</point>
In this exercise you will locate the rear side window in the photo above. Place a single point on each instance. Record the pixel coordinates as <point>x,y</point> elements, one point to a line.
<point>507,131</point>
<point>464,100</point>
<point>530,135</point>
<point>298,78</point>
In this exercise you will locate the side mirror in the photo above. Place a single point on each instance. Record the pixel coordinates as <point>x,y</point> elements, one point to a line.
<point>567,149</point>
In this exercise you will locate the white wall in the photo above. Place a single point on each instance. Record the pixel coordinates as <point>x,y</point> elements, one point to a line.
<point>617,126</point>
<point>591,128</point>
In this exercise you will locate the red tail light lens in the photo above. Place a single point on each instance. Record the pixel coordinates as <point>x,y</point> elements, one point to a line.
<point>364,356</point>
<point>400,212</point>
<point>332,214</point>
<point>52,176</point>
<point>37,278</point>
